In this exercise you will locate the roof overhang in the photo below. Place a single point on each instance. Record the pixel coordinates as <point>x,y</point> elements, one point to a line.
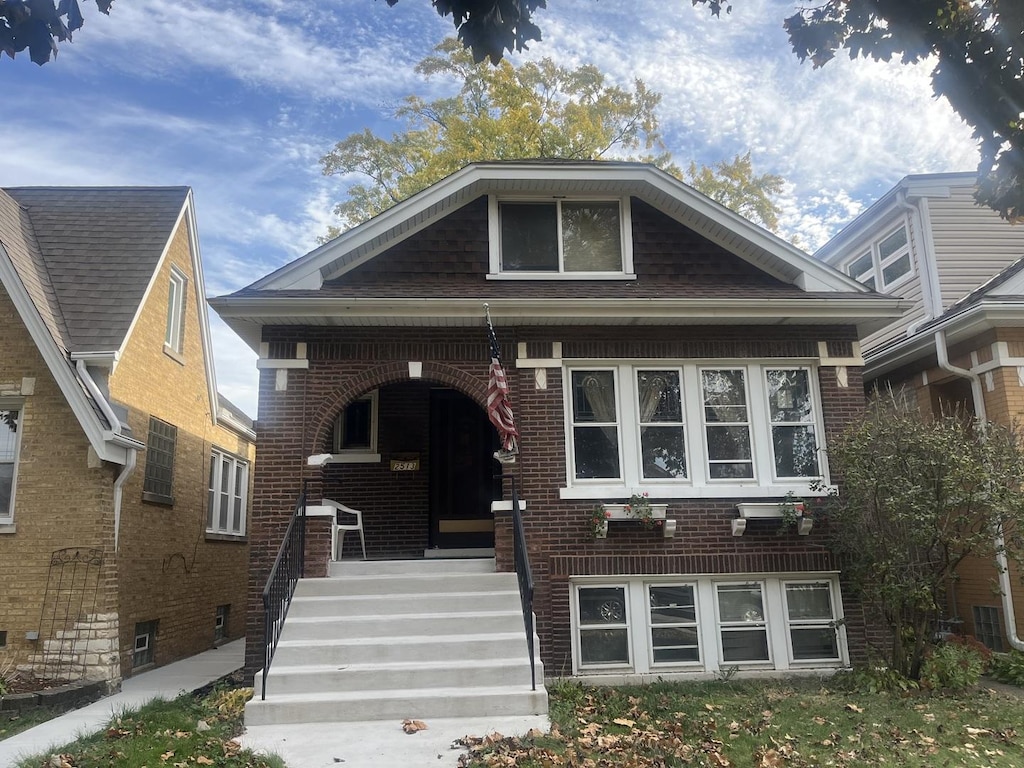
<point>976,319</point>
<point>659,189</point>
<point>247,315</point>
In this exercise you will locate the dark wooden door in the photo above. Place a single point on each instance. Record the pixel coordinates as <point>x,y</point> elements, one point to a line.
<point>462,470</point>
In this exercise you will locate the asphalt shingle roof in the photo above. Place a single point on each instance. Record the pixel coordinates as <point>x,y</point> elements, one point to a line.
<point>98,248</point>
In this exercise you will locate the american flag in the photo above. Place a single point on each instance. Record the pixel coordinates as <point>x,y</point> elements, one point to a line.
<point>499,406</point>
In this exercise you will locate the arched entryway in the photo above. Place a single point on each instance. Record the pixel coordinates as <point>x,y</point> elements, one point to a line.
<point>416,457</point>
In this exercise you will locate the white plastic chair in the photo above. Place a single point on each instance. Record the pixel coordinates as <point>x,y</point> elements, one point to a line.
<point>339,530</point>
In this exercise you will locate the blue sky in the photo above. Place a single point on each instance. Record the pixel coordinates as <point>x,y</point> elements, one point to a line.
<point>240,99</point>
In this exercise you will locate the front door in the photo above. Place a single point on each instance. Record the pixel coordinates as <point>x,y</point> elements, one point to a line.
<point>462,472</point>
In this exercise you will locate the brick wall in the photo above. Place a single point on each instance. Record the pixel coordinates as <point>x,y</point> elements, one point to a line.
<point>62,498</point>
<point>171,571</point>
<point>346,363</point>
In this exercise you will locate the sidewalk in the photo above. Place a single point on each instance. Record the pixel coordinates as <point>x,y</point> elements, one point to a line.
<point>163,682</point>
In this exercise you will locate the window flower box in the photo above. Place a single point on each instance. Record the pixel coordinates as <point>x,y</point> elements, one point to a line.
<point>794,512</point>
<point>622,512</point>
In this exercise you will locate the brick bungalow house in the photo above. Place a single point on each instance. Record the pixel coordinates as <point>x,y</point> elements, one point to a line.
<point>124,477</point>
<point>960,269</point>
<point>654,341</point>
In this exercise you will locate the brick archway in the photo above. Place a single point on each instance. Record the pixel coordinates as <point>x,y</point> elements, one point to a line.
<point>391,373</point>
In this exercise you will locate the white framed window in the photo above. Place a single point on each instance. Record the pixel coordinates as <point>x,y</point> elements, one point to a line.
<point>227,494</point>
<point>603,626</point>
<point>175,331</point>
<point>742,623</point>
<point>220,622</point>
<point>560,237</point>
<point>144,650</point>
<point>676,625</point>
<point>811,621</point>
<point>886,263</point>
<point>692,429</point>
<point>10,446</point>
<point>673,624</point>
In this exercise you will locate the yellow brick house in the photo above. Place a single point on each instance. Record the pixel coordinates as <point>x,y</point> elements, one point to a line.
<point>124,477</point>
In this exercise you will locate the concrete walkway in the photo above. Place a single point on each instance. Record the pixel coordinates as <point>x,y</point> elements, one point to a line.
<point>379,744</point>
<point>163,682</point>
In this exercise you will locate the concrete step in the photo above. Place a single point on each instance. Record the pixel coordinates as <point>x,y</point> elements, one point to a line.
<point>361,605</point>
<point>396,704</point>
<point>386,627</point>
<point>472,673</point>
<point>416,648</point>
<point>405,583</point>
<point>344,568</point>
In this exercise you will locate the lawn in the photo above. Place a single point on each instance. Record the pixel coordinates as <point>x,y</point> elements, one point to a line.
<point>765,724</point>
<point>192,730</point>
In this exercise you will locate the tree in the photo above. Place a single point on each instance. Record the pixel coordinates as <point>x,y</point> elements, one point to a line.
<point>488,28</point>
<point>736,186</point>
<point>919,495</point>
<point>39,24</point>
<point>536,110</point>
<point>978,48</point>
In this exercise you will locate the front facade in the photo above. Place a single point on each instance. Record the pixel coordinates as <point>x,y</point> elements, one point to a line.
<point>124,477</point>
<point>960,344</point>
<point>655,345</point>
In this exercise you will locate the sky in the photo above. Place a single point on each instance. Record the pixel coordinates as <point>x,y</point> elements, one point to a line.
<point>239,100</point>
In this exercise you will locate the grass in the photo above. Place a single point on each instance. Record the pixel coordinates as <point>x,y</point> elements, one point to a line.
<point>15,721</point>
<point>764,724</point>
<point>166,733</point>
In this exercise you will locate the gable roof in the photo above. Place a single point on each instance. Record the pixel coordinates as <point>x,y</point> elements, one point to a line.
<point>313,290</point>
<point>78,263</point>
<point>100,247</point>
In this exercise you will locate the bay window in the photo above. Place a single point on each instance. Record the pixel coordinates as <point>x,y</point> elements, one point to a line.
<point>691,429</point>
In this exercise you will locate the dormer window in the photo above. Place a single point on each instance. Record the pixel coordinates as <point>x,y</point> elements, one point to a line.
<point>560,237</point>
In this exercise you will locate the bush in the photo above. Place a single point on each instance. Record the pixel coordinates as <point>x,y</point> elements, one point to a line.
<point>955,664</point>
<point>872,679</point>
<point>1008,667</point>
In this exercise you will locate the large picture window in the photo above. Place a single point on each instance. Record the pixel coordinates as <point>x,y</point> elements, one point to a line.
<point>688,429</point>
<point>10,434</point>
<point>561,236</point>
<point>227,494</point>
<point>668,625</point>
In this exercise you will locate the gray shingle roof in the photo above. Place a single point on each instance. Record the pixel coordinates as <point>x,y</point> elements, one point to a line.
<point>98,247</point>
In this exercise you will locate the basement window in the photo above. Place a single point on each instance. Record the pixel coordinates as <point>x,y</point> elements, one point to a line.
<point>143,654</point>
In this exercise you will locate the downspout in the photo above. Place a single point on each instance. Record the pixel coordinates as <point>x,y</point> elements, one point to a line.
<point>928,268</point>
<point>1005,588</point>
<point>115,429</point>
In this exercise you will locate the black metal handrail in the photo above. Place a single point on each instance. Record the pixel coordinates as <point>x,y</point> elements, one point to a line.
<point>289,567</point>
<point>525,576</point>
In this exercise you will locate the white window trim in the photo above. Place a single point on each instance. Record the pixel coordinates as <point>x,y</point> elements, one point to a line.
<point>878,265</point>
<point>766,620</point>
<point>651,626</point>
<point>698,484</point>
<point>495,271</point>
<point>14,405</point>
<point>790,623</point>
<point>174,333</point>
<point>368,455</point>
<point>217,458</point>
<point>641,654</point>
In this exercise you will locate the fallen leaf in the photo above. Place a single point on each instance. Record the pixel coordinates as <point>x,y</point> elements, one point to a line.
<point>166,756</point>
<point>201,760</point>
<point>854,708</point>
<point>624,721</point>
<point>413,726</point>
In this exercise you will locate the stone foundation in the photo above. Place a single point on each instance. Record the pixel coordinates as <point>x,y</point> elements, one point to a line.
<point>88,651</point>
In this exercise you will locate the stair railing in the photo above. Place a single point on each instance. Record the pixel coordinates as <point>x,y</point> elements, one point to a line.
<point>525,576</point>
<point>288,568</point>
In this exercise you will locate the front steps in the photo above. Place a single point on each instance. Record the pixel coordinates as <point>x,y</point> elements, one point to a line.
<point>401,639</point>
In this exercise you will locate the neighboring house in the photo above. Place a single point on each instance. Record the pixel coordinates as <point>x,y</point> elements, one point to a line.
<point>124,478</point>
<point>654,342</point>
<point>960,344</point>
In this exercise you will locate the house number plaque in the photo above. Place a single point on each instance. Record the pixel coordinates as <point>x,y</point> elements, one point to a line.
<point>405,465</point>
